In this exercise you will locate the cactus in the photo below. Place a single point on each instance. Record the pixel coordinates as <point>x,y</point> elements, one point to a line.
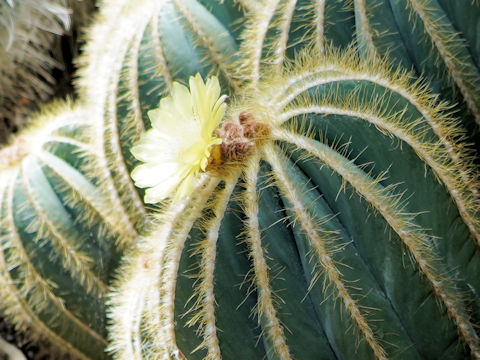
<point>350,229</point>
<point>60,240</point>
<point>169,40</point>
<point>329,238</point>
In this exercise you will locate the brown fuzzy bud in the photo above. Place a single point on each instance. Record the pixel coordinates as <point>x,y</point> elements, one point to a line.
<point>255,130</point>
<point>230,131</point>
<point>243,117</point>
<point>236,150</point>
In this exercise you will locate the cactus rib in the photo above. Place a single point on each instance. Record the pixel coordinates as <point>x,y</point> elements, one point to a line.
<point>170,264</point>
<point>51,227</point>
<point>266,304</point>
<point>283,24</point>
<point>132,76</point>
<point>319,12</point>
<point>450,47</point>
<point>160,56</point>
<point>256,33</point>
<point>206,41</point>
<point>364,34</point>
<point>204,304</point>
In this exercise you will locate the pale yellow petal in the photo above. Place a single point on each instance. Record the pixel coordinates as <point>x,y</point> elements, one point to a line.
<point>148,174</point>
<point>161,191</point>
<point>183,102</point>
<point>185,187</point>
<point>154,147</point>
<point>212,91</point>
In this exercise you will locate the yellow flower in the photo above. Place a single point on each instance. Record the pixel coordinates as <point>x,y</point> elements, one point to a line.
<point>177,147</point>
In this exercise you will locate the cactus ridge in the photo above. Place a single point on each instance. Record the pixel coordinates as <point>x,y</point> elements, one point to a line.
<point>203,307</point>
<point>451,50</point>
<point>260,276</point>
<point>173,222</point>
<point>253,39</point>
<point>192,234</point>
<point>215,55</point>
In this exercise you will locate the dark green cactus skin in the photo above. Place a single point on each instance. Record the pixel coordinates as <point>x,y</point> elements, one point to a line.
<point>59,240</point>
<point>437,39</point>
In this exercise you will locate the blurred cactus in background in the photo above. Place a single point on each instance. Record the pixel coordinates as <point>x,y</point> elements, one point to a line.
<point>30,51</point>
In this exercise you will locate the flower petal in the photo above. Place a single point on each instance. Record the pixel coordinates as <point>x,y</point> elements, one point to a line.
<point>161,191</point>
<point>155,147</point>
<point>148,174</point>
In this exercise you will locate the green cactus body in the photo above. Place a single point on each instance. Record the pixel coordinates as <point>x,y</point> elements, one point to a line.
<point>347,233</point>
<point>60,241</point>
<point>169,40</point>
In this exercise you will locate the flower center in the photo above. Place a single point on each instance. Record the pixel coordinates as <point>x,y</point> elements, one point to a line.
<point>238,140</point>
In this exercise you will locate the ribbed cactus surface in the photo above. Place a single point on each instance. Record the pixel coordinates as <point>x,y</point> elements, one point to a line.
<point>347,232</point>
<point>438,39</point>
<point>60,240</point>
<point>435,39</point>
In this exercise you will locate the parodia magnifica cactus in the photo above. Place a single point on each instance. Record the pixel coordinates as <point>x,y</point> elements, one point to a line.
<point>348,229</point>
<point>59,239</point>
<point>292,227</point>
